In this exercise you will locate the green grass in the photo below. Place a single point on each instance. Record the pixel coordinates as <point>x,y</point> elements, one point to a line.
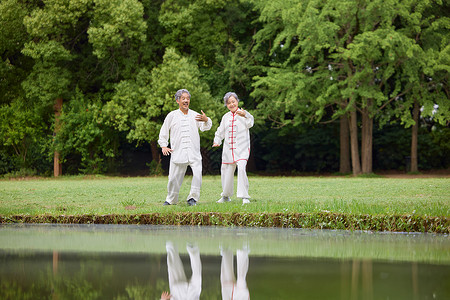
<point>112,195</point>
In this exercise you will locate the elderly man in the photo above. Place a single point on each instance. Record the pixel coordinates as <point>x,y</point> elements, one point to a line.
<point>182,127</point>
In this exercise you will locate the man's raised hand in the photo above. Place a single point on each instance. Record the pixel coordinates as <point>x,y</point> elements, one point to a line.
<point>201,117</point>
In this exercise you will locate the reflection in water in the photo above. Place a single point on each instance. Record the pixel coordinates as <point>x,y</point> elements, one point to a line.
<point>57,262</point>
<point>233,289</point>
<point>180,288</point>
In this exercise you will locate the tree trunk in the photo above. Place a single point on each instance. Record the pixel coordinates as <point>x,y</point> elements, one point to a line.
<point>57,166</point>
<point>366,139</point>
<point>344,163</point>
<point>155,152</point>
<point>356,165</point>
<point>414,138</point>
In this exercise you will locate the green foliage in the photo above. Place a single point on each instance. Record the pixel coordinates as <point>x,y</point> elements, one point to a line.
<point>13,32</point>
<point>139,106</point>
<point>54,18</point>
<point>359,49</point>
<point>20,127</point>
<point>47,82</point>
<point>195,27</point>
<point>82,132</point>
<point>329,58</point>
<point>336,51</point>
<point>155,168</point>
<point>115,23</point>
<point>22,173</point>
<point>49,27</point>
<point>219,36</point>
<point>291,62</point>
<point>7,161</point>
<point>13,65</point>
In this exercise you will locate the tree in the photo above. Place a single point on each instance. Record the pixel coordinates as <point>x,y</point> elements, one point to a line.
<point>331,59</point>
<point>139,106</point>
<point>20,128</point>
<point>22,131</point>
<point>81,48</point>
<point>13,65</point>
<point>218,35</point>
<point>83,133</point>
<point>425,76</point>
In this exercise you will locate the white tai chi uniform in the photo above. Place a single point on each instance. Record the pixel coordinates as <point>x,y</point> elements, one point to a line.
<point>185,143</point>
<point>234,131</point>
<point>180,288</point>
<point>234,289</point>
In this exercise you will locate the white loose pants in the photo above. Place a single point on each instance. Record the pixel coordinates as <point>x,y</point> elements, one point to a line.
<point>180,287</point>
<point>234,289</point>
<point>176,176</point>
<point>227,176</point>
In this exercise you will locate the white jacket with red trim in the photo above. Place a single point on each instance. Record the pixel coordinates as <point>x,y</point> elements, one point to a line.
<point>234,131</point>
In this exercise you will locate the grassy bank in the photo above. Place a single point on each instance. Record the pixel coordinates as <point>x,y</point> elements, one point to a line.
<point>392,204</point>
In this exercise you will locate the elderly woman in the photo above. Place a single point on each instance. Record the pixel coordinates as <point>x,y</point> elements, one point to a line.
<point>234,131</point>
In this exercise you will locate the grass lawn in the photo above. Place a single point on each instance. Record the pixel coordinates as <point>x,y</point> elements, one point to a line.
<point>114,195</point>
<point>423,197</point>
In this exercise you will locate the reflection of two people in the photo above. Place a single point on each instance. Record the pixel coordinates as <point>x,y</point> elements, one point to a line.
<point>181,288</point>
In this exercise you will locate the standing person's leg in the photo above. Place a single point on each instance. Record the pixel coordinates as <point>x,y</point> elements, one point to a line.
<point>227,177</point>
<point>196,183</point>
<point>176,176</point>
<point>242,180</point>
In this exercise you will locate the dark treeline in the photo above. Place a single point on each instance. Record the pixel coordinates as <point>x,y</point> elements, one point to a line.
<point>335,86</point>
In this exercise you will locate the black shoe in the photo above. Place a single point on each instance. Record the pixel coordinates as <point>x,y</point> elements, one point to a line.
<point>166,203</point>
<point>192,202</point>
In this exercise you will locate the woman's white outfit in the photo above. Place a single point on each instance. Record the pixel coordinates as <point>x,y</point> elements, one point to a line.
<point>234,131</point>
<point>233,289</point>
<point>182,129</point>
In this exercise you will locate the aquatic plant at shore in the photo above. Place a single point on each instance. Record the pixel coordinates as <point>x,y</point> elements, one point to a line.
<point>322,220</point>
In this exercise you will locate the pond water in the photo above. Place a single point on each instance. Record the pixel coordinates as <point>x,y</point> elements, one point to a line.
<point>140,262</point>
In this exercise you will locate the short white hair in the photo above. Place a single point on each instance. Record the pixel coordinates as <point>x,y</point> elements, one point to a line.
<point>228,95</point>
<point>181,92</point>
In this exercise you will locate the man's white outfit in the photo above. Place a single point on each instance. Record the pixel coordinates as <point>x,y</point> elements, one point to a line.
<point>180,288</point>
<point>234,131</point>
<point>185,144</point>
<point>233,289</point>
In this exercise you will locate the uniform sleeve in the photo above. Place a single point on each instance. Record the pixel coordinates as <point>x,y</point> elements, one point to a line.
<point>163,139</point>
<point>249,120</point>
<point>204,126</point>
<point>220,132</point>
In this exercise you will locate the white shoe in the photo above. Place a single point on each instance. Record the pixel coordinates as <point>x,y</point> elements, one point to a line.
<point>245,201</point>
<point>223,200</point>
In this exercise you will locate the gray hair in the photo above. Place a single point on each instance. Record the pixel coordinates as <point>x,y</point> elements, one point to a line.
<point>228,95</point>
<point>181,92</point>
